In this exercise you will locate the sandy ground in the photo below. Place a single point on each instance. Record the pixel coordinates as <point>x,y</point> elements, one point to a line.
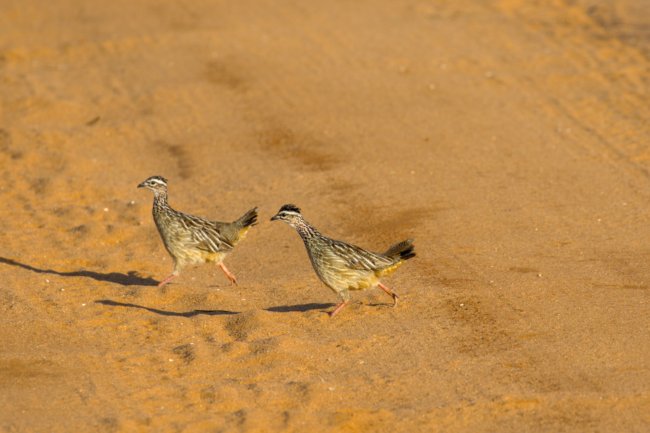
<point>509,138</point>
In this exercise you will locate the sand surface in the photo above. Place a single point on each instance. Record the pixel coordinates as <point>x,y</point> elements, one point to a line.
<point>509,138</point>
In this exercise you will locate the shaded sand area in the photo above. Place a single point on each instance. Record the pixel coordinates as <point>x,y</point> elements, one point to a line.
<point>509,138</point>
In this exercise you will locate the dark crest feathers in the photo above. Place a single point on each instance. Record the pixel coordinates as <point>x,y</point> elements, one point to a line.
<point>159,178</point>
<point>290,207</point>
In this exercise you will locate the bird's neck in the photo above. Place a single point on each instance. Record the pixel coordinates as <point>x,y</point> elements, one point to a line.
<point>306,230</point>
<point>160,200</point>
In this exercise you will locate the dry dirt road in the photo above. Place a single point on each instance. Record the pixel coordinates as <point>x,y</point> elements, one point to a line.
<point>509,138</point>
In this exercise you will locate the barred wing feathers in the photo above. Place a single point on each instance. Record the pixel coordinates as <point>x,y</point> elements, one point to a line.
<point>207,234</point>
<point>358,258</point>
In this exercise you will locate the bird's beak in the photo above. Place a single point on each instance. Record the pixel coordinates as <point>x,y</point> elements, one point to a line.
<point>275,218</point>
<point>141,185</point>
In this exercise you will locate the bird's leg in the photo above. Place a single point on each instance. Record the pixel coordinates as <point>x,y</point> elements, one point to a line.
<point>338,308</point>
<point>229,275</point>
<point>390,292</point>
<point>168,279</point>
<point>345,300</point>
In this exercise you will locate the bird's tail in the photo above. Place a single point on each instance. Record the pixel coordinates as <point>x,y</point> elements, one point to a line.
<point>248,219</point>
<point>401,251</point>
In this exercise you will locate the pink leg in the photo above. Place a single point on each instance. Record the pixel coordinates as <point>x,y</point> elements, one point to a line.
<point>338,308</point>
<point>390,292</point>
<point>230,276</point>
<point>168,279</point>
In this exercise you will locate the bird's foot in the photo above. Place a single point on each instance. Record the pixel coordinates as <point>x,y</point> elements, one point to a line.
<point>167,280</point>
<point>231,277</point>
<point>338,308</point>
<point>390,292</point>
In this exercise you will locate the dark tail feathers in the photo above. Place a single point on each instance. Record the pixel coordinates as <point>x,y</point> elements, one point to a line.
<point>248,219</point>
<point>402,250</point>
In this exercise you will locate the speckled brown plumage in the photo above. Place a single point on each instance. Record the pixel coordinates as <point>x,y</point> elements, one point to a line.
<point>342,266</point>
<point>192,240</point>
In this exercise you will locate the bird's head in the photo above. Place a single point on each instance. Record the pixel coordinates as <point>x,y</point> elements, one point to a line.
<point>155,183</point>
<point>290,214</point>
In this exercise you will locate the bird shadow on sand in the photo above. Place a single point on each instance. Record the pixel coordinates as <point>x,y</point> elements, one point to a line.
<point>298,308</point>
<point>192,313</point>
<point>131,278</point>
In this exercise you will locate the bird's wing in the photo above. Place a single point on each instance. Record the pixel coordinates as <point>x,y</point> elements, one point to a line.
<point>206,234</point>
<point>358,258</point>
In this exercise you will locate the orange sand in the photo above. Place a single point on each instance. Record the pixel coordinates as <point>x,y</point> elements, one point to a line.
<point>508,137</point>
